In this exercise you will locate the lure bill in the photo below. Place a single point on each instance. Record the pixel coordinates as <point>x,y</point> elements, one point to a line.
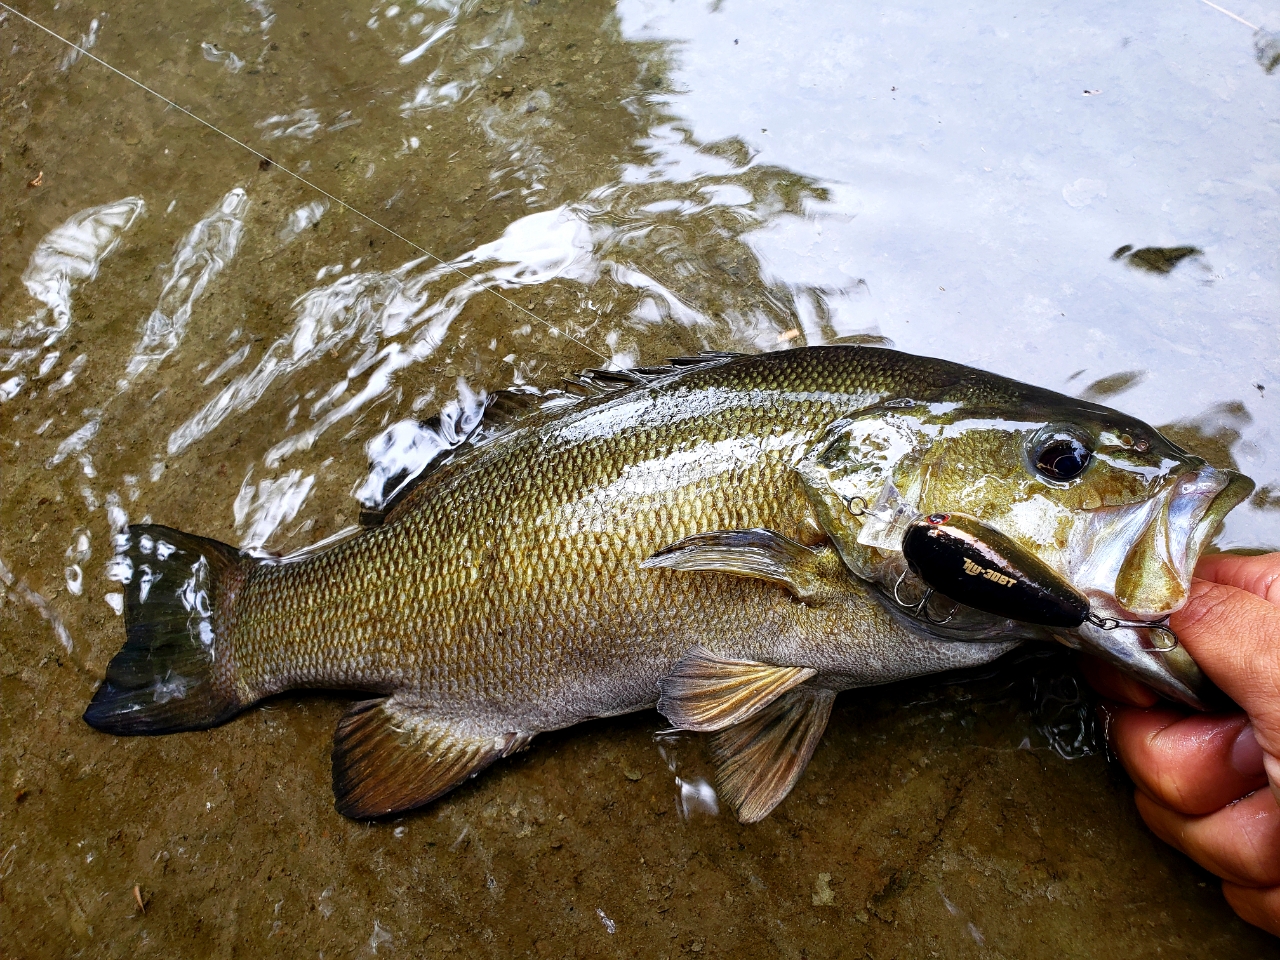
<point>683,537</point>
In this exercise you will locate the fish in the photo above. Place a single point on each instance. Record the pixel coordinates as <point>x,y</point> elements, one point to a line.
<point>712,538</point>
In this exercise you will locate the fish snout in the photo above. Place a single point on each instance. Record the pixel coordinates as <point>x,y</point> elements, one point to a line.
<point>1155,580</point>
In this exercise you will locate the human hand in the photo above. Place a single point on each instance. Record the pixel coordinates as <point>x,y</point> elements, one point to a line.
<point>1203,778</point>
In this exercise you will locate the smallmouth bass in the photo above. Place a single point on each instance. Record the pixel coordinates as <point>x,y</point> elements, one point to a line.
<point>689,537</point>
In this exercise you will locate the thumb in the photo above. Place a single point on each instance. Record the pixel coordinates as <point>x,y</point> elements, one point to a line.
<point>1259,575</point>
<point>1234,635</point>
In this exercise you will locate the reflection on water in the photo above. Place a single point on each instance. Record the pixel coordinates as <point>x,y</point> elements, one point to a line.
<point>1105,388</point>
<point>203,253</point>
<point>191,337</point>
<point>1218,434</point>
<point>62,260</point>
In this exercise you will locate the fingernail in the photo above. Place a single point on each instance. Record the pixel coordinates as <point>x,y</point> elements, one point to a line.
<point>1246,753</point>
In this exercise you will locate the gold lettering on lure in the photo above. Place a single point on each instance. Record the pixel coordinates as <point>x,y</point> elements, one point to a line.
<point>995,576</point>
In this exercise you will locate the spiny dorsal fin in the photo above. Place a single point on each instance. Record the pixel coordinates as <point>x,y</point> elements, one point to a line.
<point>595,382</point>
<point>701,358</point>
<point>760,760</point>
<point>810,574</point>
<point>705,692</point>
<point>409,451</point>
<point>391,755</point>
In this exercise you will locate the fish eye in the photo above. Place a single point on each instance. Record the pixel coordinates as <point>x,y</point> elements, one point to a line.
<point>1060,456</point>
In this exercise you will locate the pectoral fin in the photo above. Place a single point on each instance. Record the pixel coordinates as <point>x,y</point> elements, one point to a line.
<point>391,755</point>
<point>759,760</point>
<point>704,692</point>
<point>808,573</point>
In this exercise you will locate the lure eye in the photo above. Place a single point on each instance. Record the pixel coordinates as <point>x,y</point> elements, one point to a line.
<point>1061,457</point>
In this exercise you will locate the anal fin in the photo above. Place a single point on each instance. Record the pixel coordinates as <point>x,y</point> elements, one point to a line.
<point>705,692</point>
<point>759,760</point>
<point>391,755</point>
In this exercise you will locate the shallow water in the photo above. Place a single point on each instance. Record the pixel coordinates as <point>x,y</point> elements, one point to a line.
<point>192,335</point>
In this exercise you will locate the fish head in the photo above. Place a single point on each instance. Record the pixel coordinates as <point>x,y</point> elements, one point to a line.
<point>1105,501</point>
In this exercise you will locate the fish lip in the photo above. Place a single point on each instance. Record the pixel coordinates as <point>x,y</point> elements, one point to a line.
<point>1171,673</point>
<point>1234,492</point>
<point>1194,507</point>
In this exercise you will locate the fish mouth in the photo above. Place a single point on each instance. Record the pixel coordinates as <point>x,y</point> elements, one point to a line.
<point>1154,580</point>
<point>1237,490</point>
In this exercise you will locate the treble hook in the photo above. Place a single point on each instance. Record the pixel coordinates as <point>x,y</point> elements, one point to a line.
<point>920,609</point>
<point>913,607</point>
<point>1158,627</point>
<point>951,614</point>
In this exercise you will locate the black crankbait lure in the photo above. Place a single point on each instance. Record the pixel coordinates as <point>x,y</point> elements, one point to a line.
<point>977,566</point>
<point>962,558</point>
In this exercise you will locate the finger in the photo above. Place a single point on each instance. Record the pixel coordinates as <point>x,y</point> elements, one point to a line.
<point>1190,764</point>
<point>1240,842</point>
<point>1114,685</point>
<point>1257,575</point>
<point>1234,636</point>
<point>1259,907</point>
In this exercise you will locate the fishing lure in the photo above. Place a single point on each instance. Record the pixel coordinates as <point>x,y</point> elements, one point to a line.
<point>974,564</point>
<point>977,565</point>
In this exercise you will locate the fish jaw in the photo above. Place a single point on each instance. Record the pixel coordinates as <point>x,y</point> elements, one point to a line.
<point>1171,673</point>
<point>1237,490</point>
<point>1152,578</point>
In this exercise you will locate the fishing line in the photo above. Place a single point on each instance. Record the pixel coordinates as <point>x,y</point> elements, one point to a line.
<point>1229,14</point>
<point>303,180</point>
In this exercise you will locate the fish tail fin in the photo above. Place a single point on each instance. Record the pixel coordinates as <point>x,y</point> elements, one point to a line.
<point>175,670</point>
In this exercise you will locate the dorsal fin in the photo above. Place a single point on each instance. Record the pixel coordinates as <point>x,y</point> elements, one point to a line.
<point>409,451</point>
<point>595,382</point>
<point>701,359</point>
